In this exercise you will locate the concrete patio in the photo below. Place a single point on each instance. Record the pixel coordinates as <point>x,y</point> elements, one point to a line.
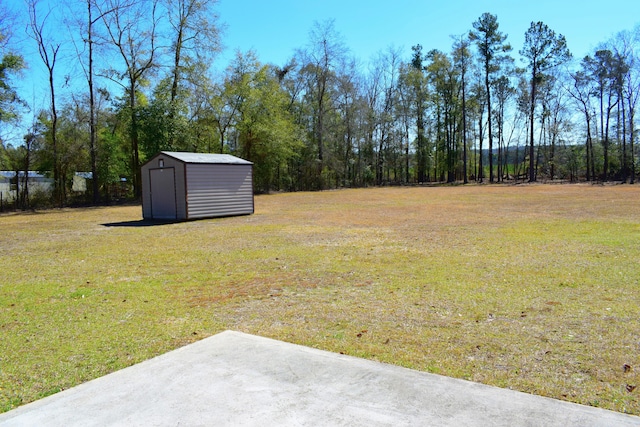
<point>233,379</point>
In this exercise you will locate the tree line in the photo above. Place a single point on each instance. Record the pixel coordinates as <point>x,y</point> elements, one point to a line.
<point>322,120</point>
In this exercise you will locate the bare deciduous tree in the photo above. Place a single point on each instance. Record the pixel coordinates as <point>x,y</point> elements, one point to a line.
<point>195,38</point>
<point>48,49</point>
<point>132,29</point>
<point>544,50</point>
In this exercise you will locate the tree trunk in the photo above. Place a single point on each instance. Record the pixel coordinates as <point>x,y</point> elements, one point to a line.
<point>532,107</point>
<point>589,149</point>
<point>489,126</point>
<point>625,164</point>
<point>464,131</point>
<point>605,145</point>
<point>92,113</point>
<point>135,160</point>
<point>57,185</point>
<point>631,141</point>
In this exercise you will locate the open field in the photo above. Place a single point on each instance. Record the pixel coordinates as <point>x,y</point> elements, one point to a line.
<point>534,288</point>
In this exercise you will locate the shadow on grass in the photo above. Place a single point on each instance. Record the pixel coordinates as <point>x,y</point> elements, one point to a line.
<point>140,223</point>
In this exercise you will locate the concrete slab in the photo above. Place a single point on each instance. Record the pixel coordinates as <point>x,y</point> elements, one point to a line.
<point>233,379</point>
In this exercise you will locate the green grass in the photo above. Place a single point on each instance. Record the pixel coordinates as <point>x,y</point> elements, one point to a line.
<point>533,288</point>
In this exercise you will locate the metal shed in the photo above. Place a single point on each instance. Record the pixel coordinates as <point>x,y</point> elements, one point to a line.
<point>182,186</point>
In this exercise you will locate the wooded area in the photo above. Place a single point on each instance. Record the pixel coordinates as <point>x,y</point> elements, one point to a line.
<point>322,120</point>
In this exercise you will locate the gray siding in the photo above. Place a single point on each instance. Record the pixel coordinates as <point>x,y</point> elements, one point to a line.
<point>181,200</point>
<point>219,190</point>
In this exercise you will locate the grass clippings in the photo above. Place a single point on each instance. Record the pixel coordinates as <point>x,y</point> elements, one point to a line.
<point>533,288</point>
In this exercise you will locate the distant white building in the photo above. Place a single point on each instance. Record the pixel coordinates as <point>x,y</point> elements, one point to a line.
<point>79,184</point>
<point>11,184</point>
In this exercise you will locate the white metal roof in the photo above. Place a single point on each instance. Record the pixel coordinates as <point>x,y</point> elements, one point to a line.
<point>206,158</point>
<point>12,174</point>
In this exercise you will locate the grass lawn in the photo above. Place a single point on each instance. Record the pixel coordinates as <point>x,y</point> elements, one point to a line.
<point>531,287</point>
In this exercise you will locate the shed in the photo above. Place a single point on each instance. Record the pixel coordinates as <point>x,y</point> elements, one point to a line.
<point>183,186</point>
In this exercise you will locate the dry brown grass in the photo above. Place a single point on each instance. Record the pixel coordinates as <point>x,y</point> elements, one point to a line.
<point>530,287</point>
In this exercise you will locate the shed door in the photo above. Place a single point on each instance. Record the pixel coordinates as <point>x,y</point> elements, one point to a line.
<point>163,193</point>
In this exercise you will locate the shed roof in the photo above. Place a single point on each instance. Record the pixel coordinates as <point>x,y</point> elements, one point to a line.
<point>206,158</point>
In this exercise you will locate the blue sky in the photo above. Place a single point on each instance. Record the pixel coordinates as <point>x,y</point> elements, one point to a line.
<point>275,28</point>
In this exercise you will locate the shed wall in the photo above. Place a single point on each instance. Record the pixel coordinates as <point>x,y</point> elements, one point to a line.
<point>169,162</point>
<point>219,190</point>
